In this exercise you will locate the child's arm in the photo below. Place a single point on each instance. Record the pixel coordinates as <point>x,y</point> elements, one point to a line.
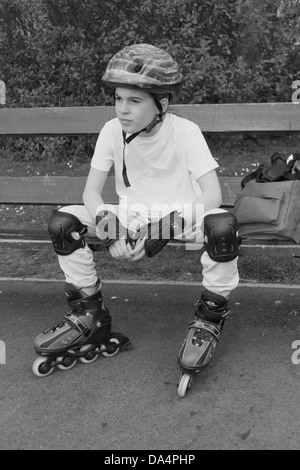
<point>210,198</point>
<point>211,195</point>
<point>92,197</point>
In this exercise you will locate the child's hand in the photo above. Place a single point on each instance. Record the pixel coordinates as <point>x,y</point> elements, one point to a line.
<point>120,249</point>
<point>138,252</point>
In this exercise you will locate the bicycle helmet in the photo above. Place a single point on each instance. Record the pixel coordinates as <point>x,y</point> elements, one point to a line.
<point>148,68</point>
<point>144,66</point>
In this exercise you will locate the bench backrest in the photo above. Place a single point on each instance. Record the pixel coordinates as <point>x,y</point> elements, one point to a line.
<point>212,119</point>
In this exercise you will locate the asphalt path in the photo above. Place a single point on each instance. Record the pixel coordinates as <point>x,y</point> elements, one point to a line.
<point>248,398</point>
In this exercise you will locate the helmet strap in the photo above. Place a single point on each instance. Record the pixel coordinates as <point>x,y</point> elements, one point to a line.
<point>126,140</point>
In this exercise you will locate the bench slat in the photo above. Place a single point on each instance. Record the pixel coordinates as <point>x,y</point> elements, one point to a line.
<point>54,190</point>
<point>260,248</point>
<point>48,190</point>
<point>211,118</point>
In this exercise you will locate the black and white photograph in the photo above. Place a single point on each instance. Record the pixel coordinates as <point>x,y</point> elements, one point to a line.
<point>149,227</point>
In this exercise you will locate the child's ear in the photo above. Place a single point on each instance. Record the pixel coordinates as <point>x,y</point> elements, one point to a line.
<point>165,104</point>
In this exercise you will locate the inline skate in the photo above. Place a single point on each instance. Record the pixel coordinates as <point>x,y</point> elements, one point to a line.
<point>204,333</point>
<point>83,333</point>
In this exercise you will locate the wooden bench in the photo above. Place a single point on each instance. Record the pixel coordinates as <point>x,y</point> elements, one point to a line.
<point>63,190</point>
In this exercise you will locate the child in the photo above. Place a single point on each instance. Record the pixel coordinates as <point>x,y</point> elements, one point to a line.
<point>168,188</point>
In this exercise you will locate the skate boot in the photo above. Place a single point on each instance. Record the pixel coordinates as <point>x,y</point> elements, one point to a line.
<point>84,333</point>
<point>204,333</point>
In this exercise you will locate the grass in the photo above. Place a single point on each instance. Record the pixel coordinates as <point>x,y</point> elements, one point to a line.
<point>169,265</point>
<point>236,155</point>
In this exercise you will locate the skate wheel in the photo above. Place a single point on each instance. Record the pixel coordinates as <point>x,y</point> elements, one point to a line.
<point>184,384</point>
<point>40,368</point>
<point>90,357</point>
<point>67,362</point>
<point>111,351</point>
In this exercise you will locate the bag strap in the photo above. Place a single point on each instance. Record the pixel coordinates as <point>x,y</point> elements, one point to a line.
<point>252,176</point>
<point>279,170</point>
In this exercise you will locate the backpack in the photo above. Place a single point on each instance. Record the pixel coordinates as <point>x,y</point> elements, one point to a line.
<point>268,206</point>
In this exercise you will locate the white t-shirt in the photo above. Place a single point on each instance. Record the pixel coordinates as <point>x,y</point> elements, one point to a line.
<point>162,169</point>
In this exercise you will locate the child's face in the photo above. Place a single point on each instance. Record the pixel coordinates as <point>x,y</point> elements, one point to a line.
<point>135,109</point>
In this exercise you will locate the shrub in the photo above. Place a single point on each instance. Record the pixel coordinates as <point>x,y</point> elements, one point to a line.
<point>54,52</point>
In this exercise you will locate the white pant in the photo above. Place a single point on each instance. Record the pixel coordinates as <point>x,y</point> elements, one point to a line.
<point>80,270</point>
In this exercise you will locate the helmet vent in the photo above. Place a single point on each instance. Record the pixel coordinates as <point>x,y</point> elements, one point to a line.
<point>138,67</point>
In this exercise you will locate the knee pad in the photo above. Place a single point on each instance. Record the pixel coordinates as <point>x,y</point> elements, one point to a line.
<point>60,228</point>
<point>221,237</point>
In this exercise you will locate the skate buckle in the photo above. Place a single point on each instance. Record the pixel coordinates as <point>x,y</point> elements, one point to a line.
<point>57,324</point>
<point>78,324</point>
<point>205,331</point>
